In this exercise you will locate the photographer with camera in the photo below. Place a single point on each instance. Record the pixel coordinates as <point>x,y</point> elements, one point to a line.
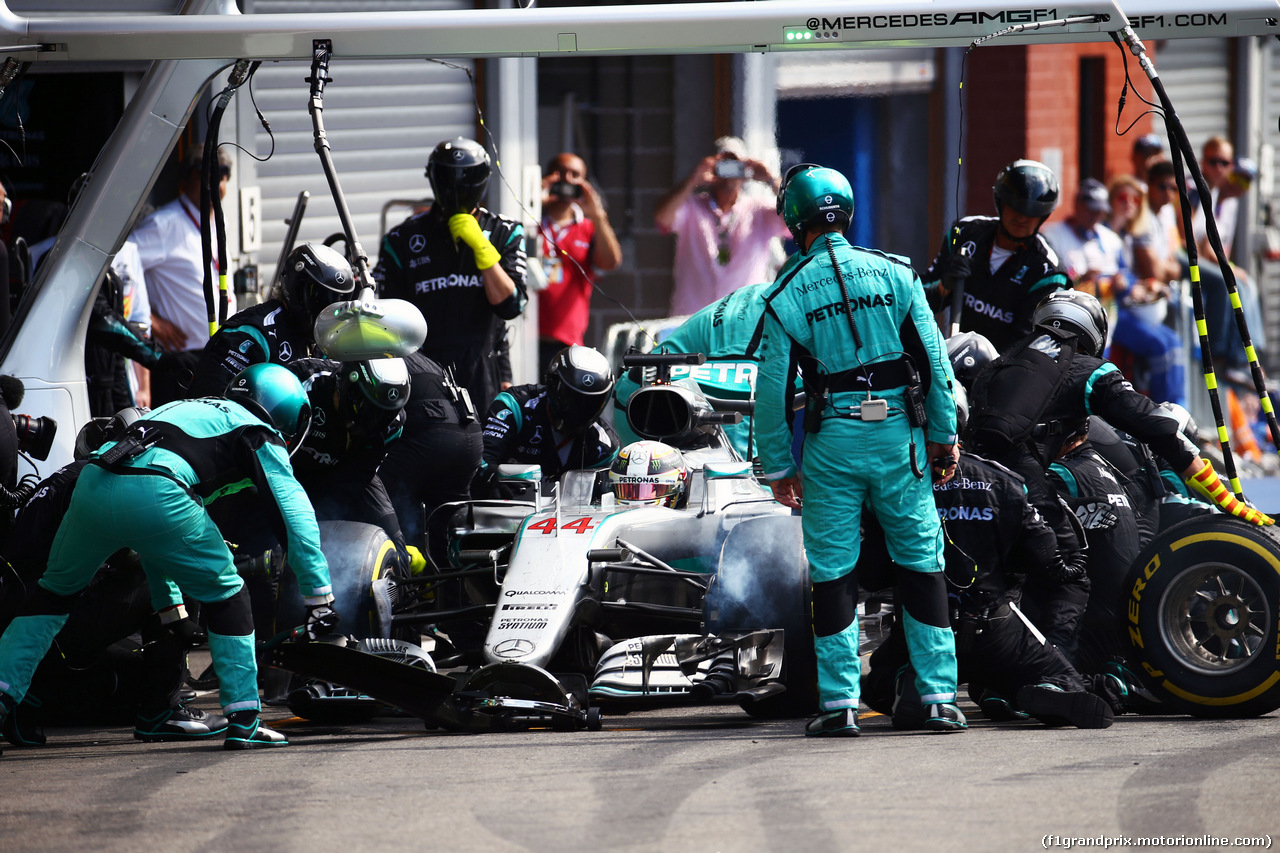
<point>724,229</point>
<point>577,241</point>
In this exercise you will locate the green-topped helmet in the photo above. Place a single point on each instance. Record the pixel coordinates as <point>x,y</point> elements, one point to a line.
<point>275,395</point>
<point>814,196</point>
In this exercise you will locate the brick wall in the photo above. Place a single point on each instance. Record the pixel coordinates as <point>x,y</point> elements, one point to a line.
<point>1025,102</point>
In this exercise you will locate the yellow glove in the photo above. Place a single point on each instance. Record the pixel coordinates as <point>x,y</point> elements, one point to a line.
<point>464,227</point>
<point>1206,483</point>
<point>417,562</point>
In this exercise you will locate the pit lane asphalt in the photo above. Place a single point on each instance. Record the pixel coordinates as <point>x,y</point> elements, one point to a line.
<point>704,779</point>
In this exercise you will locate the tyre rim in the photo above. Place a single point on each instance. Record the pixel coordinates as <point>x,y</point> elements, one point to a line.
<point>1214,618</point>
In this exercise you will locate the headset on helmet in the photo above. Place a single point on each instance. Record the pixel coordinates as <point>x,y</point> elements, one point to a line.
<point>814,197</point>
<point>969,352</point>
<point>579,385</point>
<point>314,276</point>
<point>99,431</point>
<point>276,396</point>
<point>1027,186</point>
<point>1078,313</point>
<point>648,472</point>
<point>372,392</point>
<point>458,170</point>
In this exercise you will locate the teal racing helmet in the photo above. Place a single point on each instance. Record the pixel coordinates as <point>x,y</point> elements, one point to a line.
<point>276,396</point>
<point>814,196</point>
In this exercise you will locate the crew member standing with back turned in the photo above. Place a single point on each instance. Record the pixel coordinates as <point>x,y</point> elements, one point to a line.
<point>880,414</point>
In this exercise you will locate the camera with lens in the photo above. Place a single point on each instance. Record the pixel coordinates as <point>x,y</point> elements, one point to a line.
<point>564,189</point>
<point>730,168</point>
<point>35,435</point>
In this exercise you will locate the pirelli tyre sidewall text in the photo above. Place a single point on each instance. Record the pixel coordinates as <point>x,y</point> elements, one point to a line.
<point>1202,617</point>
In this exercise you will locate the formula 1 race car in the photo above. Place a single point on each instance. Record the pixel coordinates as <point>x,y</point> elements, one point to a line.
<point>564,598</point>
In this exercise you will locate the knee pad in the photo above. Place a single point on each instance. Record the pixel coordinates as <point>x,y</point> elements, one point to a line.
<point>835,604</point>
<point>231,617</point>
<point>41,602</point>
<point>924,596</point>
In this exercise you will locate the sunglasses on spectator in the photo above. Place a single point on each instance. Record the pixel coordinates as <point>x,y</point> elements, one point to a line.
<point>1220,162</point>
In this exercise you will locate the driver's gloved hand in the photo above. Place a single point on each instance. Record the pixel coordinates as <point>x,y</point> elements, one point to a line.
<point>321,620</point>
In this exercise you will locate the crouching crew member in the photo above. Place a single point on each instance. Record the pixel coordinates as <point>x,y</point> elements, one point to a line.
<point>146,492</point>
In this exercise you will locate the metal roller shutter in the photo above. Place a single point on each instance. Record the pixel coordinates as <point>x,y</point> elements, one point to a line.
<point>382,119</point>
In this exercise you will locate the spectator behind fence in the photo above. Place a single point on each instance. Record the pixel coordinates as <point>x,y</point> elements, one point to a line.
<point>577,241</point>
<point>724,232</point>
<point>1091,252</point>
<point>1142,303</point>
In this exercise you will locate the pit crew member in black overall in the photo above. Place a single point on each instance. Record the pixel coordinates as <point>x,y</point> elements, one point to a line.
<point>462,266</point>
<point>1006,265</point>
<point>556,425</point>
<point>439,451</point>
<point>109,340</point>
<point>94,667</point>
<point>1029,401</point>
<point>995,538</point>
<point>280,329</point>
<point>147,492</point>
<point>1095,492</point>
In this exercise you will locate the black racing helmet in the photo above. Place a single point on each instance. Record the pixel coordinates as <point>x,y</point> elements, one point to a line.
<point>1028,186</point>
<point>579,385</point>
<point>969,352</point>
<point>372,392</point>
<point>314,277</point>
<point>459,170</point>
<point>1077,313</point>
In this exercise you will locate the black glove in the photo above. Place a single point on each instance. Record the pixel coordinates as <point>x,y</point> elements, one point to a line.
<point>187,632</point>
<point>321,620</point>
<point>1068,571</point>
<point>958,266</point>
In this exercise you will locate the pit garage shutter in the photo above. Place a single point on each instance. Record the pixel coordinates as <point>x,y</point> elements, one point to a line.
<point>382,118</point>
<point>1197,75</point>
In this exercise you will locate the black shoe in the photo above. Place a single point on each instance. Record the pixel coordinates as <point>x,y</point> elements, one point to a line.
<point>251,734</point>
<point>180,723</point>
<point>997,708</point>
<point>1055,707</point>
<point>16,721</point>
<point>944,717</point>
<point>839,723</point>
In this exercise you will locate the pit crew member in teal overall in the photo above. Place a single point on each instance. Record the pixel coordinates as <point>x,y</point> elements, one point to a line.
<point>728,332</point>
<point>880,416</point>
<point>147,492</point>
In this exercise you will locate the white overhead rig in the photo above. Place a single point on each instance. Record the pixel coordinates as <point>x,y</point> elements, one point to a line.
<point>44,346</point>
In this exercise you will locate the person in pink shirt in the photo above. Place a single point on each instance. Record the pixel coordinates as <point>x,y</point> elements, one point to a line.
<point>723,232</point>
<point>577,242</point>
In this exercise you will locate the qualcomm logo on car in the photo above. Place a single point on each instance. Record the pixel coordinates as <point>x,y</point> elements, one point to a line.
<point>516,648</point>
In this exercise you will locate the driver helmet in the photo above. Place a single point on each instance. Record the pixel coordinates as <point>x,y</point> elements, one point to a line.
<point>99,431</point>
<point>314,277</point>
<point>1027,186</point>
<point>372,392</point>
<point>969,352</point>
<point>458,170</point>
<point>648,473</point>
<point>812,196</point>
<point>1077,313</point>
<point>276,396</point>
<point>579,385</point>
